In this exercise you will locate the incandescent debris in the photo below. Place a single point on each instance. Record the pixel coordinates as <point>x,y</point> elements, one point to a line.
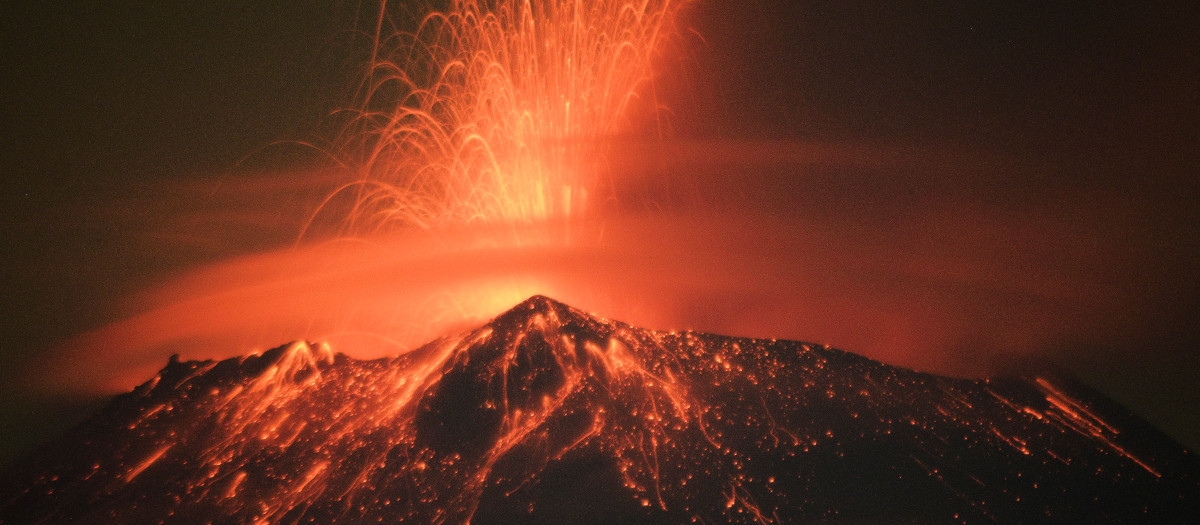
<point>548,414</point>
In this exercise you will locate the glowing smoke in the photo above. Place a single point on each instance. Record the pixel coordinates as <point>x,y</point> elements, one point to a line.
<point>826,244</point>
<point>929,284</point>
<point>499,115</point>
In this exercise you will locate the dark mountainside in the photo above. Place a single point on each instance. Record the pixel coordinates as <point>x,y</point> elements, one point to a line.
<point>547,414</point>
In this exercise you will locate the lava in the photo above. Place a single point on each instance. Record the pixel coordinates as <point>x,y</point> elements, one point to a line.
<point>491,156</point>
<point>548,413</point>
<point>491,159</point>
<point>485,130</point>
<point>498,111</point>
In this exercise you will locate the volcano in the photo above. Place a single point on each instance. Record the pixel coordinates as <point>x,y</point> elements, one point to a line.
<point>549,414</point>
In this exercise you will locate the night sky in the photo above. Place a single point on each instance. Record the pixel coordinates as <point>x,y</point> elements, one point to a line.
<point>1085,113</point>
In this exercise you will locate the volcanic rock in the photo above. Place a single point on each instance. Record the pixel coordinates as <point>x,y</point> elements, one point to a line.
<point>550,415</point>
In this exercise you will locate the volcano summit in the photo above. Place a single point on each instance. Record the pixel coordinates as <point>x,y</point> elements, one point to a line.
<point>548,414</point>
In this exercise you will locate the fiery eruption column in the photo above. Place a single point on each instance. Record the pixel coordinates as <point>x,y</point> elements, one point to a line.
<point>498,111</point>
<point>487,126</point>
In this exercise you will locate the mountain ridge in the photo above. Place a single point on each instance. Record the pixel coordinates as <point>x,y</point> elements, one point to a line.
<point>547,414</point>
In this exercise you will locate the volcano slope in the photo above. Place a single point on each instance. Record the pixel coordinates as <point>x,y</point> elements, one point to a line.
<point>548,414</point>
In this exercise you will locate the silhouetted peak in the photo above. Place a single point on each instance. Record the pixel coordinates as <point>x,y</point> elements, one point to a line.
<point>539,309</point>
<point>539,302</point>
<point>549,414</point>
<point>517,369</point>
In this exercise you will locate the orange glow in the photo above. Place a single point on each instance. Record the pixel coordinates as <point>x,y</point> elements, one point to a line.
<point>933,285</point>
<point>384,296</point>
<point>484,131</point>
<point>498,111</point>
<point>491,160</point>
<point>690,424</point>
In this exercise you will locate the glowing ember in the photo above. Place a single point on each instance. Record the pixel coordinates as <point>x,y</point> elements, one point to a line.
<point>498,110</point>
<point>548,414</point>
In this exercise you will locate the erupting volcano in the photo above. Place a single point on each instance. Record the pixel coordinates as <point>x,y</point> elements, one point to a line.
<point>502,149</point>
<point>550,415</point>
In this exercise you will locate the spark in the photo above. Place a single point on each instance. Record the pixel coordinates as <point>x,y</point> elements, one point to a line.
<point>498,111</point>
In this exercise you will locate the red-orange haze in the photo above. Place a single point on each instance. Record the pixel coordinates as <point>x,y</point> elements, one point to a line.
<point>938,286</point>
<point>495,155</point>
<point>959,188</point>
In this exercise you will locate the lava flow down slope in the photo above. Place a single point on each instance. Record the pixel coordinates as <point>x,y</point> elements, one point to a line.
<point>548,414</point>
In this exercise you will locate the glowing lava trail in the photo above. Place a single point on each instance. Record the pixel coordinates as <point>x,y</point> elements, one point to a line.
<point>498,111</point>
<point>547,414</point>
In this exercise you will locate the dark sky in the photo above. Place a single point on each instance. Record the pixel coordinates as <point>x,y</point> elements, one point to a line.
<point>111,102</point>
<point>105,101</point>
<point>1066,105</point>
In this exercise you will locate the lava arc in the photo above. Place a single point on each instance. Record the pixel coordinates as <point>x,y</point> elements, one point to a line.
<point>499,111</point>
